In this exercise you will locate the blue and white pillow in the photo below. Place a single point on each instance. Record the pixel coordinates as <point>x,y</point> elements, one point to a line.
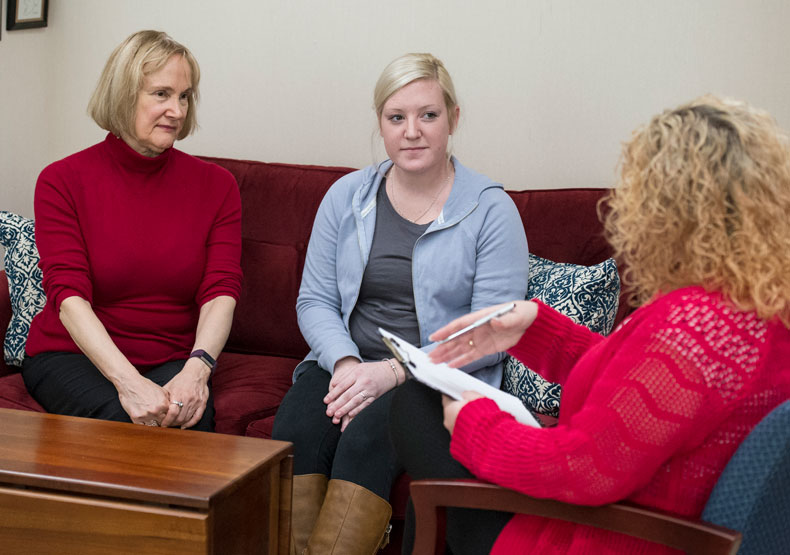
<point>24,282</point>
<point>588,295</point>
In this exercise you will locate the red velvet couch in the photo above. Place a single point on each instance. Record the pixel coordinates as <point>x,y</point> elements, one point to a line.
<point>279,202</point>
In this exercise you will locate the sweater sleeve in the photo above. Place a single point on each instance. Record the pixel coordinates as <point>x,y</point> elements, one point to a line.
<point>319,305</point>
<point>222,275</point>
<point>501,237</point>
<point>647,401</point>
<point>553,344</point>
<point>59,238</point>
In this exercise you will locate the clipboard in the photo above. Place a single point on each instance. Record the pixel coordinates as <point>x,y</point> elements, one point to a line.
<point>451,381</point>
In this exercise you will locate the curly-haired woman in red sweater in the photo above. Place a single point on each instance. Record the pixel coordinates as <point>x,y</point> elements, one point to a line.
<point>653,412</point>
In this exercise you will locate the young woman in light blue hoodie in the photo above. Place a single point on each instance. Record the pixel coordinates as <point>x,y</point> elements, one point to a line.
<point>407,245</point>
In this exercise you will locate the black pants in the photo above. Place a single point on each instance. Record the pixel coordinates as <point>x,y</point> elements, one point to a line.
<point>69,383</point>
<point>423,446</point>
<point>362,454</point>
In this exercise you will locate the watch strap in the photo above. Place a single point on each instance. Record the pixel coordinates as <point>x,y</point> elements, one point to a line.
<point>207,359</point>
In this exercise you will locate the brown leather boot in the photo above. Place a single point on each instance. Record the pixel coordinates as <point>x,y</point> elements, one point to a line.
<point>309,491</point>
<point>352,521</point>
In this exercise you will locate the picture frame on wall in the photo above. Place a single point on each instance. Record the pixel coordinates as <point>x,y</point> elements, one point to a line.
<point>26,14</point>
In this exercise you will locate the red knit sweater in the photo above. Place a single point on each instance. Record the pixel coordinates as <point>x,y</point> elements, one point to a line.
<point>651,414</point>
<point>146,241</point>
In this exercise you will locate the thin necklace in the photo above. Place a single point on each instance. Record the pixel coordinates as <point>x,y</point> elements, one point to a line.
<point>436,196</point>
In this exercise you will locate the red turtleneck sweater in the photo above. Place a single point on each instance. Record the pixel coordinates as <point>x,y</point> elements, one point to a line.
<point>147,241</point>
<point>651,414</point>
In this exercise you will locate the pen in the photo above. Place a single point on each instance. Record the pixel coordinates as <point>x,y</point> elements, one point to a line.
<point>477,323</point>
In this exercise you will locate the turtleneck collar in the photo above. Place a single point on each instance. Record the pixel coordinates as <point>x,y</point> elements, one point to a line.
<point>133,161</point>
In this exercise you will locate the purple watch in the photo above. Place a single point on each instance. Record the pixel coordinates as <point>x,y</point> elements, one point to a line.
<point>205,357</point>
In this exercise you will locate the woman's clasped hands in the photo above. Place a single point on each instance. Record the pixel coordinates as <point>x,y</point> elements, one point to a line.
<point>188,391</point>
<point>354,386</point>
<point>144,401</point>
<point>179,403</point>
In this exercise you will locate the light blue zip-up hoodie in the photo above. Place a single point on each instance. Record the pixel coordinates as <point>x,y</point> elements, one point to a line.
<point>472,256</point>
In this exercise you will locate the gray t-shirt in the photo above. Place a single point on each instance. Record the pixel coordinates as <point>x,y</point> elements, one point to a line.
<point>386,296</point>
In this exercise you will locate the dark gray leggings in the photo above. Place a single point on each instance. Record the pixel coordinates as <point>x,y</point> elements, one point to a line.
<point>69,383</point>
<point>423,445</point>
<point>362,454</point>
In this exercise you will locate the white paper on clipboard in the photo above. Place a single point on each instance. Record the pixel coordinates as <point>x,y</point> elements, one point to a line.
<point>452,381</point>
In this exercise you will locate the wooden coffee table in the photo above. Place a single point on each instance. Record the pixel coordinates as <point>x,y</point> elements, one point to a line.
<point>76,485</point>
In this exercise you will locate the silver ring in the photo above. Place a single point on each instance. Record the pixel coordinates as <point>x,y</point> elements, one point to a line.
<point>153,423</point>
<point>179,403</point>
<point>364,397</point>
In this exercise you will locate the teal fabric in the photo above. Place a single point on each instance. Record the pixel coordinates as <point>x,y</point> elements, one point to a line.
<point>588,295</point>
<point>752,495</point>
<point>24,282</point>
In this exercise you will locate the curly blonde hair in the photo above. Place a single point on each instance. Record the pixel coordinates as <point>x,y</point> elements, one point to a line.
<point>704,199</point>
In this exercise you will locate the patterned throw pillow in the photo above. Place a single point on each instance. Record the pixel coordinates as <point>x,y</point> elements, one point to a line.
<point>24,282</point>
<point>588,295</point>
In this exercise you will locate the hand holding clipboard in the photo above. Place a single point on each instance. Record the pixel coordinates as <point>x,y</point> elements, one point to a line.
<point>452,381</point>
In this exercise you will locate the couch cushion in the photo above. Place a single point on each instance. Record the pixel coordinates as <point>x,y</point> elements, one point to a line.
<point>248,387</point>
<point>265,317</point>
<point>278,205</point>
<point>24,282</point>
<point>563,225</point>
<point>14,395</point>
<point>588,295</point>
<point>261,428</point>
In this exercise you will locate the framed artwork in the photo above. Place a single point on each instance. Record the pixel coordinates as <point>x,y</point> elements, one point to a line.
<point>26,14</point>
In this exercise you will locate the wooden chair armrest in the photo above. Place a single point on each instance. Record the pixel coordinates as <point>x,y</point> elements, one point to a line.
<point>431,497</point>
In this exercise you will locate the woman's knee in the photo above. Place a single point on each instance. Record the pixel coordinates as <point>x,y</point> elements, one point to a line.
<point>361,439</point>
<point>68,383</point>
<point>302,420</point>
<point>302,411</point>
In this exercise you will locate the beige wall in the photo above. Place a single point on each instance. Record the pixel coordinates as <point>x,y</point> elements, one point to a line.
<point>24,105</point>
<point>548,88</point>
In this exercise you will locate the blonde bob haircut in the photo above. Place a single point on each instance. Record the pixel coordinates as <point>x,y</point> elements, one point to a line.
<point>114,101</point>
<point>703,199</point>
<point>411,67</point>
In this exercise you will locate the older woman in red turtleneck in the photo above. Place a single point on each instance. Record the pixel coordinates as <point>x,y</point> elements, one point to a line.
<point>140,249</point>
